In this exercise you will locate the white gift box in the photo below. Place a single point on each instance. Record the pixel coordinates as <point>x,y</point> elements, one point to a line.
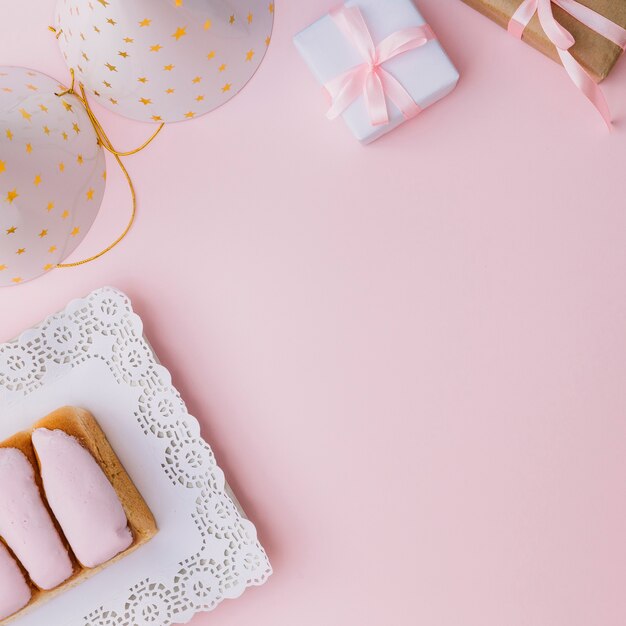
<point>426,72</point>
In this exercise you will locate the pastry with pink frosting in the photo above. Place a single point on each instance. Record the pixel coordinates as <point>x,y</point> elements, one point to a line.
<point>26,525</point>
<point>81,497</point>
<point>15,593</point>
<point>68,509</point>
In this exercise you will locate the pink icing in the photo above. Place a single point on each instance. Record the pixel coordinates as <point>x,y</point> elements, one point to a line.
<point>14,590</point>
<point>26,525</point>
<point>81,498</point>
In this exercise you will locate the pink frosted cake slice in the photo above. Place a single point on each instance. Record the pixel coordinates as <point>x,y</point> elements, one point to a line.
<point>67,509</point>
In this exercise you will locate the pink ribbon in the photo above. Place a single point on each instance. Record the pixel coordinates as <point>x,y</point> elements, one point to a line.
<point>563,40</point>
<point>370,78</point>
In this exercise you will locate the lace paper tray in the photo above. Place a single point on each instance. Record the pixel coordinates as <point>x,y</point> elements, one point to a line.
<point>94,355</point>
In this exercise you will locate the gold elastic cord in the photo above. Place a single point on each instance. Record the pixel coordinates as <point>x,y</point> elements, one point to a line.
<point>104,141</point>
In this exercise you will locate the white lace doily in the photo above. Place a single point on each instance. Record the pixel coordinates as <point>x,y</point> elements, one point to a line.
<point>93,355</point>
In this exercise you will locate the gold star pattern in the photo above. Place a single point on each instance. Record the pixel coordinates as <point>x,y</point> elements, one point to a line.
<point>3,166</point>
<point>11,231</point>
<point>46,130</point>
<point>47,267</point>
<point>64,135</point>
<point>25,114</point>
<point>29,148</point>
<point>52,249</point>
<point>61,167</point>
<point>90,193</point>
<point>75,128</point>
<point>104,3</point>
<point>9,134</point>
<point>20,251</point>
<point>11,195</point>
<point>43,233</point>
<point>84,55</point>
<point>44,108</point>
<point>111,21</point>
<point>106,84</point>
<point>2,268</point>
<point>7,89</point>
<point>75,231</point>
<point>37,180</point>
<point>16,280</point>
<point>179,28</point>
<point>189,115</point>
<point>79,159</point>
<point>67,105</point>
<point>96,29</point>
<point>32,87</point>
<point>50,206</point>
<point>65,214</point>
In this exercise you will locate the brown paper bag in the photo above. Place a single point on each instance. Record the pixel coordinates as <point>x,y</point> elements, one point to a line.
<point>595,53</point>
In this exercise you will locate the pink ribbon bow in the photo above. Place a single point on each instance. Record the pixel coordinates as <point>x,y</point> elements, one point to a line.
<point>370,78</point>
<point>563,40</point>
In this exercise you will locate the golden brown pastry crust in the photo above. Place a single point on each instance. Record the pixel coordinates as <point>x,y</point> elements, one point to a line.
<point>80,424</point>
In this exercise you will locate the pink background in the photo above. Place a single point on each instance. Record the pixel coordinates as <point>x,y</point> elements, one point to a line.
<point>409,358</point>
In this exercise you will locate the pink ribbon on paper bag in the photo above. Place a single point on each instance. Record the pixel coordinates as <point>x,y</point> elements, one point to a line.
<point>563,40</point>
<point>370,79</point>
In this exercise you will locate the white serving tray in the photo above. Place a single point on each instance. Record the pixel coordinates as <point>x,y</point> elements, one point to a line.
<point>94,355</point>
